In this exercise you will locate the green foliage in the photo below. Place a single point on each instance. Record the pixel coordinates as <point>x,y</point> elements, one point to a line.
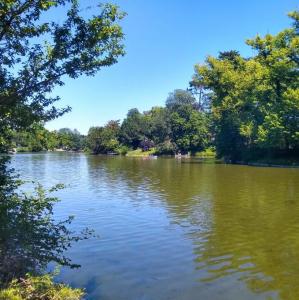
<point>182,127</point>
<point>122,150</point>
<point>165,148</point>
<point>158,124</point>
<point>178,127</point>
<point>68,139</point>
<point>189,129</point>
<point>134,129</point>
<point>30,238</point>
<point>141,153</point>
<point>207,153</point>
<point>180,98</point>
<point>36,138</point>
<point>104,139</point>
<point>31,69</point>
<point>255,101</point>
<point>37,56</point>
<point>39,288</point>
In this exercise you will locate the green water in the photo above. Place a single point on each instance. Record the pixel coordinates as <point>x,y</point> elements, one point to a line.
<point>175,229</point>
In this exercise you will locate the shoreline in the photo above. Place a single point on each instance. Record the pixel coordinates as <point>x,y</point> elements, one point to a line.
<point>270,164</point>
<point>265,164</point>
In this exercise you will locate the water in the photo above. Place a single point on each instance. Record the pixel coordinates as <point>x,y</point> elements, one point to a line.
<point>176,230</point>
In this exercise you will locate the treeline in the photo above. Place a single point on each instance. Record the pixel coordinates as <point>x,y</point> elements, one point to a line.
<point>247,108</point>
<point>178,127</point>
<point>37,138</point>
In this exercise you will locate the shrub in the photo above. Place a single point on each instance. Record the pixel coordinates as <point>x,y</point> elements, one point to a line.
<point>166,148</point>
<point>39,288</point>
<point>30,237</point>
<point>122,150</point>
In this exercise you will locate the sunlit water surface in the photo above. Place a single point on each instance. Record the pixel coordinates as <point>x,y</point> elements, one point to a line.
<point>172,229</point>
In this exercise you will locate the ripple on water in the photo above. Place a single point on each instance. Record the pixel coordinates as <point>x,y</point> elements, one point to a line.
<point>173,230</point>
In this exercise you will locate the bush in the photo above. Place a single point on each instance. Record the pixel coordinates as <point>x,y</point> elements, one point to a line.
<point>122,150</point>
<point>140,153</point>
<point>23,149</point>
<point>207,153</point>
<point>146,144</point>
<point>166,148</point>
<point>39,288</point>
<point>30,237</point>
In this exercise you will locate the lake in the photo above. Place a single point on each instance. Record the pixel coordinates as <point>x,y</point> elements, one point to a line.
<point>176,229</point>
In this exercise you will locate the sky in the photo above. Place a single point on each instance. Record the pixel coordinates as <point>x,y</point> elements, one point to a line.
<point>164,39</point>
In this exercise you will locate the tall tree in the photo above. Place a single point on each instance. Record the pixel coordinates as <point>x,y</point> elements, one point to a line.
<point>158,120</point>
<point>37,55</point>
<point>180,97</point>
<point>189,129</point>
<point>134,128</point>
<point>104,139</point>
<point>255,101</point>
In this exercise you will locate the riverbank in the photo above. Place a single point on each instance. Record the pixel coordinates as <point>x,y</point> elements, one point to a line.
<point>139,153</point>
<point>270,163</point>
<point>206,155</point>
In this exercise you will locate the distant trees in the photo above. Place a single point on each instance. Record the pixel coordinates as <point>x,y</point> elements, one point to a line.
<point>245,107</point>
<point>68,139</point>
<point>158,125</point>
<point>104,139</point>
<point>188,126</point>
<point>179,98</point>
<point>189,129</point>
<point>37,138</point>
<point>178,127</point>
<point>134,128</point>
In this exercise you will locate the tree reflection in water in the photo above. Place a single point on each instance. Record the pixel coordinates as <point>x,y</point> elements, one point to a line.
<point>243,221</point>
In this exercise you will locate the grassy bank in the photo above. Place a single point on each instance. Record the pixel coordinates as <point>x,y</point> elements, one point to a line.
<point>207,153</point>
<point>40,287</point>
<point>140,153</point>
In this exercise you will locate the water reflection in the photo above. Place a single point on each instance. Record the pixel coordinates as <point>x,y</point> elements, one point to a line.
<point>178,230</point>
<point>255,230</point>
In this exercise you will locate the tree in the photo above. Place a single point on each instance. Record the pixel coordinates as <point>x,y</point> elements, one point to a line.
<point>189,129</point>
<point>178,98</point>
<point>254,101</point>
<point>279,57</point>
<point>36,56</point>
<point>104,139</point>
<point>159,130</point>
<point>29,236</point>
<point>188,126</point>
<point>70,139</point>
<point>35,138</point>
<point>134,129</point>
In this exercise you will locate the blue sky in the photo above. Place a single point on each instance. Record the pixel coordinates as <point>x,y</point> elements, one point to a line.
<point>164,39</point>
